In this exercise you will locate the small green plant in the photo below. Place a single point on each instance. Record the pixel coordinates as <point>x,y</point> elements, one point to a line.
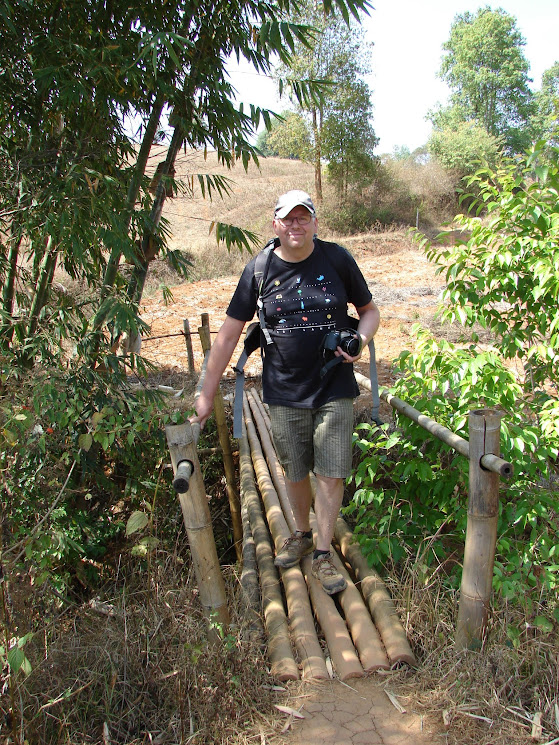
<point>71,448</point>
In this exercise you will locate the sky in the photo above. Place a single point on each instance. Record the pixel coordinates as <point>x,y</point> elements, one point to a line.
<point>408,36</point>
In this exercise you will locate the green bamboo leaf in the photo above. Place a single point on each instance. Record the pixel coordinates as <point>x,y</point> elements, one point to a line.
<point>137,521</point>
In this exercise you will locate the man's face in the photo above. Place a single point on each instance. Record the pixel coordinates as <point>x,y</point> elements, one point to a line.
<point>295,234</point>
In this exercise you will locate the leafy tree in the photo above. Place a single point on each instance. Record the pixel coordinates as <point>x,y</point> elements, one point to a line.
<point>70,194</point>
<point>546,118</point>
<point>401,152</point>
<point>73,193</point>
<point>464,148</point>
<point>487,72</point>
<point>504,277</point>
<point>348,137</point>
<point>288,138</point>
<point>503,288</point>
<point>339,58</point>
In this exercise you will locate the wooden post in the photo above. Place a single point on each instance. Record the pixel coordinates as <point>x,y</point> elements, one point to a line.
<point>205,317</point>
<point>228,464</point>
<point>481,530</point>
<point>198,523</point>
<point>188,342</point>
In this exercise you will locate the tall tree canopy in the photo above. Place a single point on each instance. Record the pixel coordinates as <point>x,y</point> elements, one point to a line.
<point>487,72</point>
<point>339,122</point>
<point>546,117</point>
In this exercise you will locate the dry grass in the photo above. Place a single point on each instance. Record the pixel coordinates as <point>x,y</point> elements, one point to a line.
<point>484,697</point>
<point>138,667</point>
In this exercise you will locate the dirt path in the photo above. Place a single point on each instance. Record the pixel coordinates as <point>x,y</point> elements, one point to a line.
<point>359,713</point>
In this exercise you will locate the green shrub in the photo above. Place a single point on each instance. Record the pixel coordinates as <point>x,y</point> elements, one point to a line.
<point>79,452</point>
<point>411,495</point>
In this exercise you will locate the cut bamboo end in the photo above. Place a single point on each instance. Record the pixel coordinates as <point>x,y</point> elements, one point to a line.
<point>342,651</point>
<point>364,633</point>
<point>283,665</point>
<point>376,595</point>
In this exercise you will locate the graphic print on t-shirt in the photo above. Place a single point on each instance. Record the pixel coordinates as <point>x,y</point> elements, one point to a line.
<point>302,303</point>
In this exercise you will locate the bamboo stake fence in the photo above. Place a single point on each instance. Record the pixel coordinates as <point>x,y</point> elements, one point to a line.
<point>225,442</point>
<point>485,468</point>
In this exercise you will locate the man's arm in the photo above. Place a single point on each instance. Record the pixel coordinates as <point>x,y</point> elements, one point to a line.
<point>369,320</point>
<point>220,354</point>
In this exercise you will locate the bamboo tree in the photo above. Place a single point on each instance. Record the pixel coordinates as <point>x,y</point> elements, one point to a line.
<point>9,288</point>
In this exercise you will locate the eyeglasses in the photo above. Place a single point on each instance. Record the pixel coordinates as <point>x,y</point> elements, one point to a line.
<point>287,222</point>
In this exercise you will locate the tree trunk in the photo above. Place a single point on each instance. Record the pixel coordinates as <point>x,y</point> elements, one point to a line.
<point>317,130</point>
<point>9,290</point>
<point>44,281</point>
<point>133,190</point>
<point>139,273</point>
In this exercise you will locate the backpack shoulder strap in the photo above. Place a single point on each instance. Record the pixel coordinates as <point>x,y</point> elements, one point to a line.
<point>253,333</point>
<point>261,266</point>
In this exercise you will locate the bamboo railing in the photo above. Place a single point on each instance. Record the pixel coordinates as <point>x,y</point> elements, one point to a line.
<point>485,468</point>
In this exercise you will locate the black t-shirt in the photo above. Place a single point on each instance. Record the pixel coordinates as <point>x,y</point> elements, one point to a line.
<point>303,301</point>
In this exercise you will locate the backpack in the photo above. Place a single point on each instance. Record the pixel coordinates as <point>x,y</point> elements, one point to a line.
<point>257,333</point>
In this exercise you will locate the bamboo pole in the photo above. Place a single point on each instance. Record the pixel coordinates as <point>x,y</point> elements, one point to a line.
<point>197,520</point>
<point>274,467</point>
<point>481,530</point>
<point>489,461</point>
<point>299,610</point>
<point>363,631</point>
<point>188,342</point>
<point>341,648</point>
<point>249,582</point>
<point>228,464</point>
<point>376,595</point>
<point>279,648</point>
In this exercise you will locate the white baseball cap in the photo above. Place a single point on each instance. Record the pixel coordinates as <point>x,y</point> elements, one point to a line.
<point>292,199</point>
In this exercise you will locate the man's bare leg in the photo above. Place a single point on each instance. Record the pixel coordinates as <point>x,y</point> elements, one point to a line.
<point>300,543</point>
<point>300,499</point>
<point>329,496</point>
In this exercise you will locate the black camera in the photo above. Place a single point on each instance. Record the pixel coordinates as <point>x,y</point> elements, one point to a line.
<point>345,339</point>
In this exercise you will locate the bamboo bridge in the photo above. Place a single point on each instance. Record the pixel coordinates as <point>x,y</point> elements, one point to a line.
<point>309,634</point>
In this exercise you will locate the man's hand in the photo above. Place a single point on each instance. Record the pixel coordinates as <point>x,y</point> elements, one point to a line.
<point>204,407</point>
<point>220,354</point>
<point>340,352</point>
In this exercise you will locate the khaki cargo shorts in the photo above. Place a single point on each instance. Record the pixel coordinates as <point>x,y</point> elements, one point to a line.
<point>318,440</point>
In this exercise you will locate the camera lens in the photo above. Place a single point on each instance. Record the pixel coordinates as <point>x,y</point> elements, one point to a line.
<point>351,346</point>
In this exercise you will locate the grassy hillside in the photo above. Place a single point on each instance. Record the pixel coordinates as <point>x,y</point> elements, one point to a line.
<point>249,205</point>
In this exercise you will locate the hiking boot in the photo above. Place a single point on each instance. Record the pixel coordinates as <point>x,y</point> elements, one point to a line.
<point>323,569</point>
<point>293,550</point>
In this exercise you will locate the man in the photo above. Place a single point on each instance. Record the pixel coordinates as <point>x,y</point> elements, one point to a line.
<point>311,410</point>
